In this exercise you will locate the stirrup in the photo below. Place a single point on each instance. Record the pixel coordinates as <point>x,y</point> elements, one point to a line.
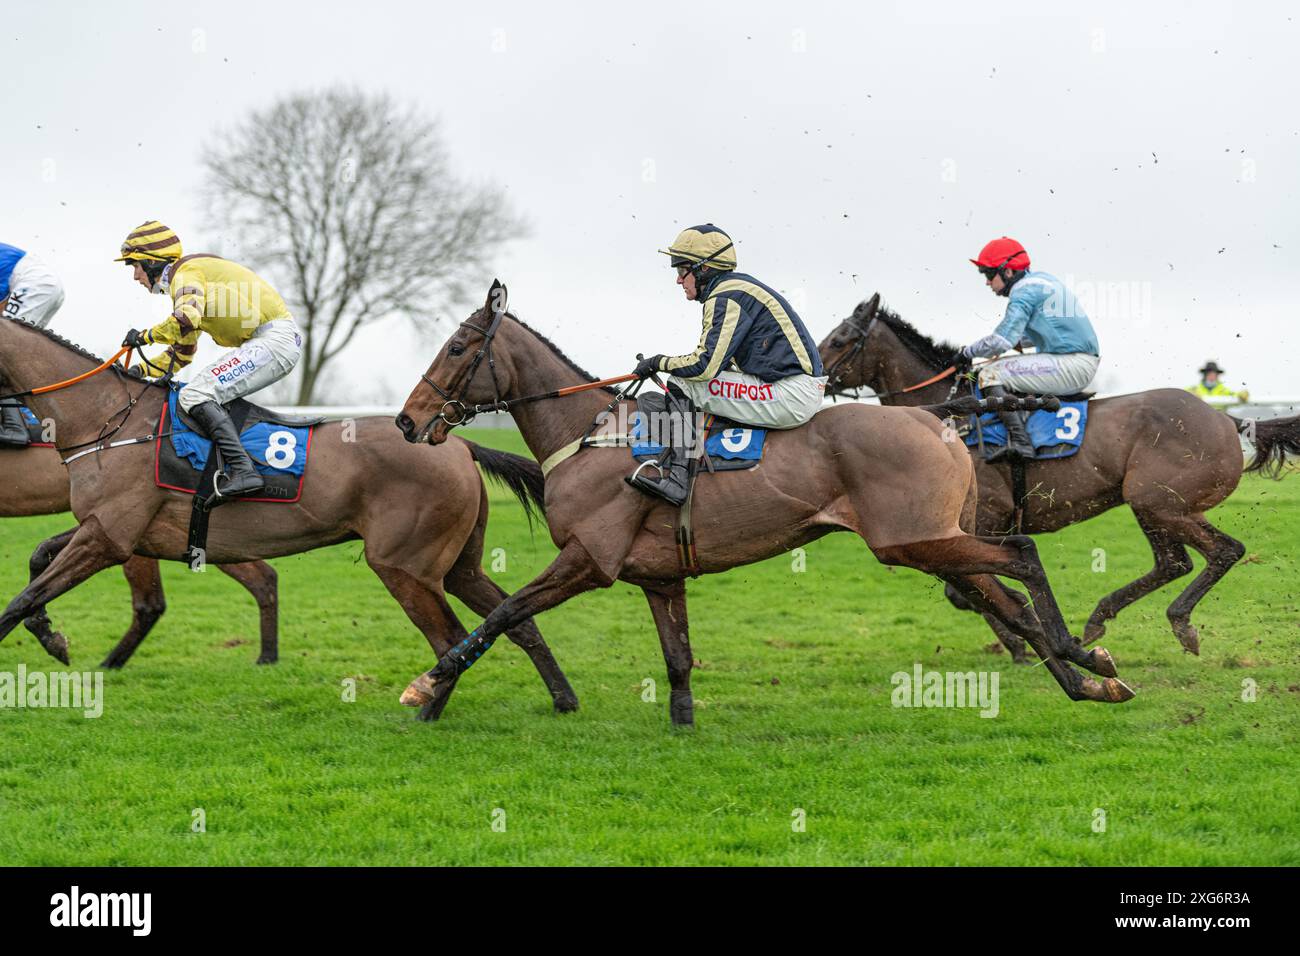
<point>637,472</point>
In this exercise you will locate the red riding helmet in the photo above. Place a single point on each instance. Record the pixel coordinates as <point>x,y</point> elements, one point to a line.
<point>1004,252</point>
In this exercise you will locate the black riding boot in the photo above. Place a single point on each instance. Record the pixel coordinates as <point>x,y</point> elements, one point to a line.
<point>13,427</point>
<point>242,477</point>
<point>1018,444</point>
<point>673,481</point>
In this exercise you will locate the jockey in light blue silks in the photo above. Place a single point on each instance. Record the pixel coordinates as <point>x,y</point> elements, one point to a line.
<point>1042,310</point>
<point>29,292</point>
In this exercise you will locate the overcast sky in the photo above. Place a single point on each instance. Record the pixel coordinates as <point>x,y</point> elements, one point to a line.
<point>1150,158</point>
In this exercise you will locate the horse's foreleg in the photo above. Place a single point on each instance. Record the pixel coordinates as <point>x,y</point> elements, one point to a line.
<point>572,572</point>
<point>668,605</point>
<point>89,551</point>
<point>261,581</point>
<point>38,622</point>
<point>1172,562</point>
<point>482,595</point>
<point>429,611</point>
<point>147,605</point>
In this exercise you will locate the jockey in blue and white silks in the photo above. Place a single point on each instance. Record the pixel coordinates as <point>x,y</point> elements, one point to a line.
<point>29,292</point>
<point>1043,311</point>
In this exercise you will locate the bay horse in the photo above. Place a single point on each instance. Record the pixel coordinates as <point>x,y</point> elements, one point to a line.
<point>1165,453</point>
<point>36,483</point>
<point>422,512</point>
<point>885,474</point>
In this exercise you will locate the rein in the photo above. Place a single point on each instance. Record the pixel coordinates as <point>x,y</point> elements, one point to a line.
<point>105,432</point>
<point>858,348</point>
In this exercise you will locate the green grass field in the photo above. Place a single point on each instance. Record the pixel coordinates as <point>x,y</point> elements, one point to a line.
<point>793,711</point>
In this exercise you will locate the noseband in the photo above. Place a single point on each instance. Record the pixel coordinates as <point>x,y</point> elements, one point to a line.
<point>454,411</point>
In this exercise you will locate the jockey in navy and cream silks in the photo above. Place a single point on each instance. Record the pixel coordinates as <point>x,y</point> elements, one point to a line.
<point>29,292</point>
<point>1042,310</point>
<point>755,363</point>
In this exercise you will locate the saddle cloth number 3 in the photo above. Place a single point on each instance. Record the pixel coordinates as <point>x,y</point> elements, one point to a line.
<point>281,450</point>
<point>1069,427</point>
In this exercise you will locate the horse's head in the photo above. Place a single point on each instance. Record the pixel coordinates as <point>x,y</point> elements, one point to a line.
<point>846,353</point>
<point>464,374</point>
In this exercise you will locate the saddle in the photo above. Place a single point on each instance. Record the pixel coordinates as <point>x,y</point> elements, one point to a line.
<point>728,445</point>
<point>1055,434</point>
<point>279,446</point>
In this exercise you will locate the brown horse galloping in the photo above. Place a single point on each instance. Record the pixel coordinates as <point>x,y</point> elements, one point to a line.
<point>36,483</point>
<point>422,512</point>
<point>1165,453</point>
<point>883,473</point>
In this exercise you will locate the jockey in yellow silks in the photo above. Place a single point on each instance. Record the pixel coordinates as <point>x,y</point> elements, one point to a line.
<point>238,309</point>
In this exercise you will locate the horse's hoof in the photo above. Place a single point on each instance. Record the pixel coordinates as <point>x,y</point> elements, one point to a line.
<point>57,647</point>
<point>268,660</point>
<point>419,692</point>
<point>566,705</point>
<point>1188,637</point>
<point>1117,692</point>
<point>1103,665</point>
<point>111,665</point>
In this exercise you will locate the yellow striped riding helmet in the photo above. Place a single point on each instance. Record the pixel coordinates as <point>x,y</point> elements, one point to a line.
<point>150,242</point>
<point>705,245</point>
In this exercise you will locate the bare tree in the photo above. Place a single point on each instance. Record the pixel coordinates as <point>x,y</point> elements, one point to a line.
<point>355,215</point>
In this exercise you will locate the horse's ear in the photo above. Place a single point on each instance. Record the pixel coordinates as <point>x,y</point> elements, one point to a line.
<point>870,306</point>
<point>496,297</point>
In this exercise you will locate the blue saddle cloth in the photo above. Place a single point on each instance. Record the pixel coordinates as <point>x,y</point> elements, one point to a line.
<point>726,441</point>
<point>1060,431</point>
<point>275,449</point>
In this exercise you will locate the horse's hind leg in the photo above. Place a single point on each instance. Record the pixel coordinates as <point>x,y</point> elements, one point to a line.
<point>1012,642</point>
<point>1028,569</point>
<point>261,581</point>
<point>147,605</point>
<point>38,622</point>
<point>481,595</point>
<point>1172,562</point>
<point>1221,552</point>
<point>967,562</point>
<point>668,605</point>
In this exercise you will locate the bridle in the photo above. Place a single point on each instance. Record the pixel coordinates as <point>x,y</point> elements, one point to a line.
<point>461,414</point>
<point>859,349</point>
<point>455,412</point>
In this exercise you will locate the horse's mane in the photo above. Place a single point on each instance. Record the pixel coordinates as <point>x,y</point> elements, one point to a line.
<point>932,353</point>
<point>66,343</point>
<point>73,347</point>
<point>577,369</point>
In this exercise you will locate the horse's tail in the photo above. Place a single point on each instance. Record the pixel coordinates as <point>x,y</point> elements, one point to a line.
<point>523,476</point>
<point>969,405</point>
<point>1274,439</point>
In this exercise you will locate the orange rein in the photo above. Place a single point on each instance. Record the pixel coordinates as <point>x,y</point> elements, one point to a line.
<point>573,389</point>
<point>124,350</point>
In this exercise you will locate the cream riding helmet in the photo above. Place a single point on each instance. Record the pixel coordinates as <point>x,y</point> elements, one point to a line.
<point>702,247</point>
